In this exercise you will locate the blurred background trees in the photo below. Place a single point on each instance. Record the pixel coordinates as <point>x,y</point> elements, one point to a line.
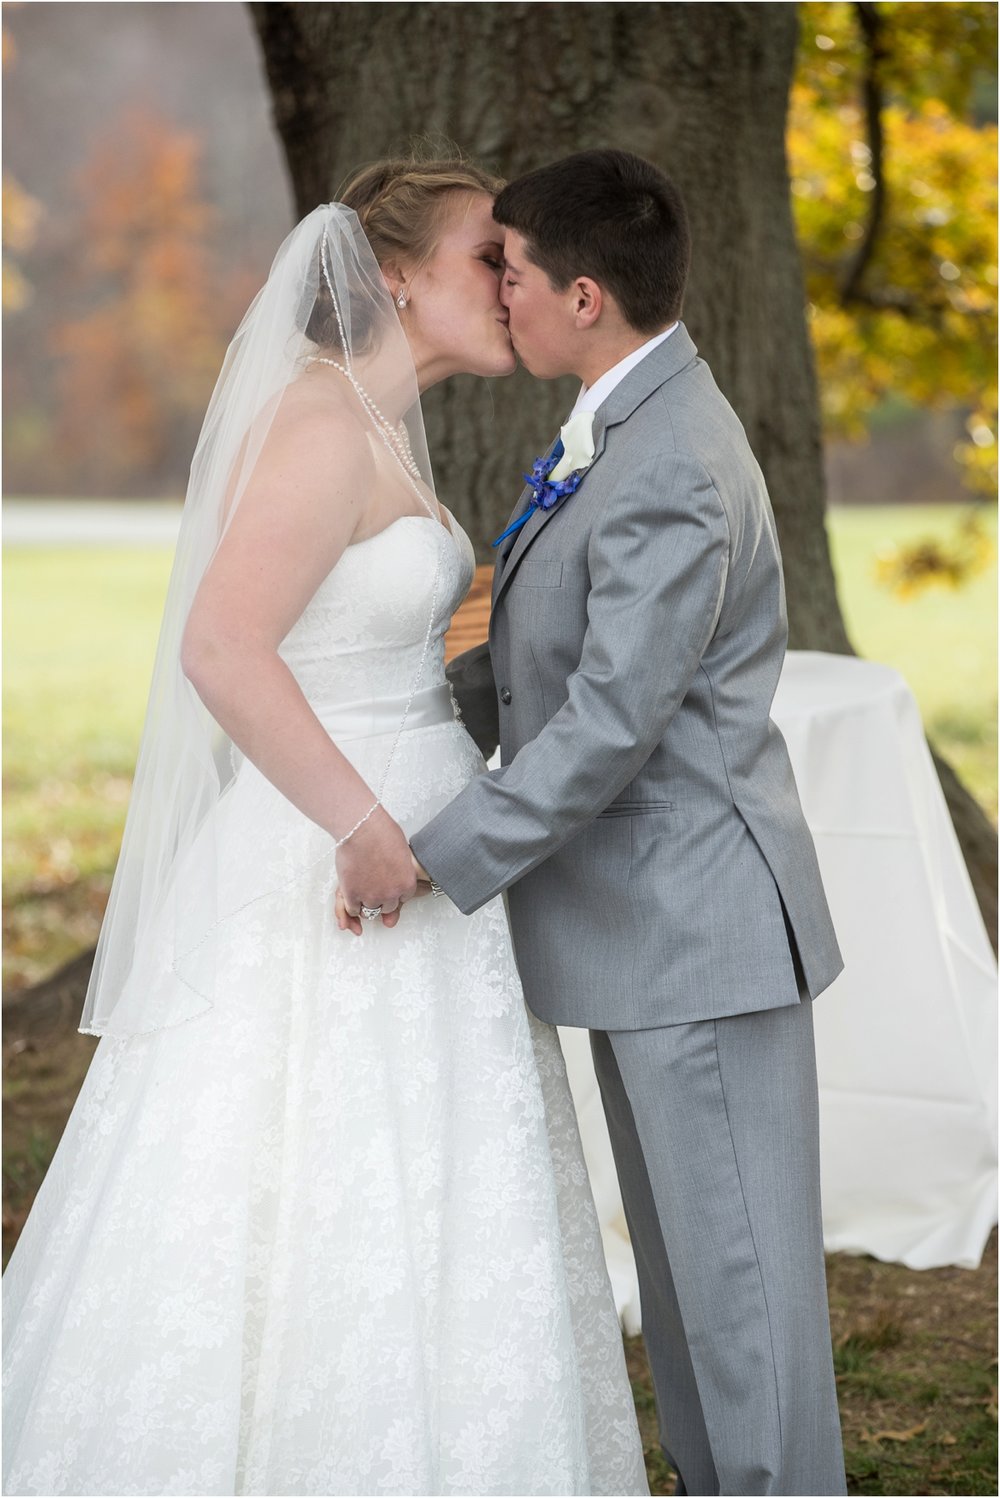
<point>156,306</point>
<point>891,145</point>
<point>143,200</point>
<point>892,154</point>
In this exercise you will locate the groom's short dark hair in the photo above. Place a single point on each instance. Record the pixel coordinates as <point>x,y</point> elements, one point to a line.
<point>613,217</point>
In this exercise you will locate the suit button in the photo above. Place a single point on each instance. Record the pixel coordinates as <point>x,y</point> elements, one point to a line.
<point>505,695</point>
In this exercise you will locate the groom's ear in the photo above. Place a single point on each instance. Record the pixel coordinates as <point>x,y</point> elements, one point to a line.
<point>587,302</point>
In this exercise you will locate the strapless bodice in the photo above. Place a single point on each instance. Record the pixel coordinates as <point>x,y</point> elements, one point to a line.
<point>362,633</point>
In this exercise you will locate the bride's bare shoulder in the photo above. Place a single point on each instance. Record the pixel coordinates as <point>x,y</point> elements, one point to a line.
<point>307,445</point>
<point>322,423</point>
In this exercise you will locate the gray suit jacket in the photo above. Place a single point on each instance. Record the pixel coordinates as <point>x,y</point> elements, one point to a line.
<point>645,823</point>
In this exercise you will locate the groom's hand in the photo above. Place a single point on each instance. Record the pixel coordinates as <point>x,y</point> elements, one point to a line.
<point>375,867</point>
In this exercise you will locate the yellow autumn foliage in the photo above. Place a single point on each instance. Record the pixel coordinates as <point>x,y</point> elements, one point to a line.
<point>21,216</point>
<point>925,331</point>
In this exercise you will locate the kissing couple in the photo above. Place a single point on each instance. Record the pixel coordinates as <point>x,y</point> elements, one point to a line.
<point>320,1222</point>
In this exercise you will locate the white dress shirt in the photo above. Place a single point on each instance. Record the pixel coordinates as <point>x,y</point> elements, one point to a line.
<point>596,394</point>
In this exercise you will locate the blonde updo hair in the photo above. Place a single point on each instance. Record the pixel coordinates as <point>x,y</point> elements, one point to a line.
<point>403,204</point>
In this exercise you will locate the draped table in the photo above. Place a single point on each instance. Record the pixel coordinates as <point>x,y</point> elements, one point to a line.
<point>906,1038</point>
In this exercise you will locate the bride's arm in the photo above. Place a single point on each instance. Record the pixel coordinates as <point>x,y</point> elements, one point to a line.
<point>300,510</point>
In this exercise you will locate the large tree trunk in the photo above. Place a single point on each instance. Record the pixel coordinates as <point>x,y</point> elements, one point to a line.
<point>700,89</point>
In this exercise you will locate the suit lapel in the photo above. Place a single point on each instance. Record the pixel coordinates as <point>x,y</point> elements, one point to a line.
<point>506,551</point>
<point>506,547</point>
<point>533,527</point>
<point>671,356</point>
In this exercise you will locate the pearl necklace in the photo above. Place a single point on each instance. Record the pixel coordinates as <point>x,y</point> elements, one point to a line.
<point>396,438</point>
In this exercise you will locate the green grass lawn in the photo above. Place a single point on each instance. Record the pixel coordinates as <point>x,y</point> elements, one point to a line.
<point>80,630</point>
<point>944,642</point>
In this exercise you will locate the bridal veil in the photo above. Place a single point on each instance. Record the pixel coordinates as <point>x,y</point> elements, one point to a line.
<point>325,298</point>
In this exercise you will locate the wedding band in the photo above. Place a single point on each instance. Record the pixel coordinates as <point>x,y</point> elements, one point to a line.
<point>436,889</point>
<point>371,912</point>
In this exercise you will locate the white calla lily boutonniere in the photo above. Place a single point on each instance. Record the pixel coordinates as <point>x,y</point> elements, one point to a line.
<point>577,438</point>
<point>554,478</point>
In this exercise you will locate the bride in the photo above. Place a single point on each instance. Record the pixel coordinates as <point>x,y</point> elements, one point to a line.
<point>319,1221</point>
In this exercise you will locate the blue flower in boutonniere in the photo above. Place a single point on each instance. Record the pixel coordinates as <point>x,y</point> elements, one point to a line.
<point>554,478</point>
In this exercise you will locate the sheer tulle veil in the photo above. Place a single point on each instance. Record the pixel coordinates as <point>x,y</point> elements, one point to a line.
<point>324,298</point>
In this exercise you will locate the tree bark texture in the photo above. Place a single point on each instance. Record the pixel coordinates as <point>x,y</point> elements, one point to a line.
<point>700,89</point>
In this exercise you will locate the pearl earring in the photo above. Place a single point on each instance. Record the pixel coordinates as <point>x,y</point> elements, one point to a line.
<point>401,299</point>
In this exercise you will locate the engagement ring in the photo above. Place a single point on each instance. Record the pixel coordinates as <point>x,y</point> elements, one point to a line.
<point>371,912</point>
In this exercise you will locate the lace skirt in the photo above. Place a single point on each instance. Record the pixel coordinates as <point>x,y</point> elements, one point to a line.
<point>334,1234</point>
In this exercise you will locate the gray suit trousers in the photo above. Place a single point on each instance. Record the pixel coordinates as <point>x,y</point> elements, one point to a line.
<point>715,1131</point>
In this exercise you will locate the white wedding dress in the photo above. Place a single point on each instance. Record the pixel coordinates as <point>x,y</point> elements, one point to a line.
<point>334,1235</point>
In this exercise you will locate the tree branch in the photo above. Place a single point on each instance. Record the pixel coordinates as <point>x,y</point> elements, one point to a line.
<point>873,33</point>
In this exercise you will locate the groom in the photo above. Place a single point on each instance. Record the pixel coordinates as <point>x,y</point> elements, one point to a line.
<point>662,883</point>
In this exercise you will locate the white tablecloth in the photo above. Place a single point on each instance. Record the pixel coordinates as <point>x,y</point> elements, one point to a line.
<point>906,1038</point>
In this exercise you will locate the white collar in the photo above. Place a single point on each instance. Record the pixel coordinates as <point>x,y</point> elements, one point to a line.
<point>598,392</point>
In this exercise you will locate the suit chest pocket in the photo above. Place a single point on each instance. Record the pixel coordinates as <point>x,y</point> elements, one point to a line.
<point>538,573</point>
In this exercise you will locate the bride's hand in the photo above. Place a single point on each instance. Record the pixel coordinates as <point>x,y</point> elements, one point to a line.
<point>375,867</point>
<point>348,922</point>
<point>344,921</point>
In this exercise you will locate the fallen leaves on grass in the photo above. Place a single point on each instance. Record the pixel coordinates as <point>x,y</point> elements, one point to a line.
<point>895,1435</point>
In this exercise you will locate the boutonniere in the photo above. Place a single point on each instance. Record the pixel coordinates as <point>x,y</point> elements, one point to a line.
<point>553,478</point>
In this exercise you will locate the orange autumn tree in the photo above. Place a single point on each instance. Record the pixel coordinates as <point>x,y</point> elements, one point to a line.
<point>136,366</point>
<point>21,218</point>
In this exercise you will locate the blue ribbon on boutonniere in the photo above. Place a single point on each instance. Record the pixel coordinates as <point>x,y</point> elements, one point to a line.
<point>546,492</point>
